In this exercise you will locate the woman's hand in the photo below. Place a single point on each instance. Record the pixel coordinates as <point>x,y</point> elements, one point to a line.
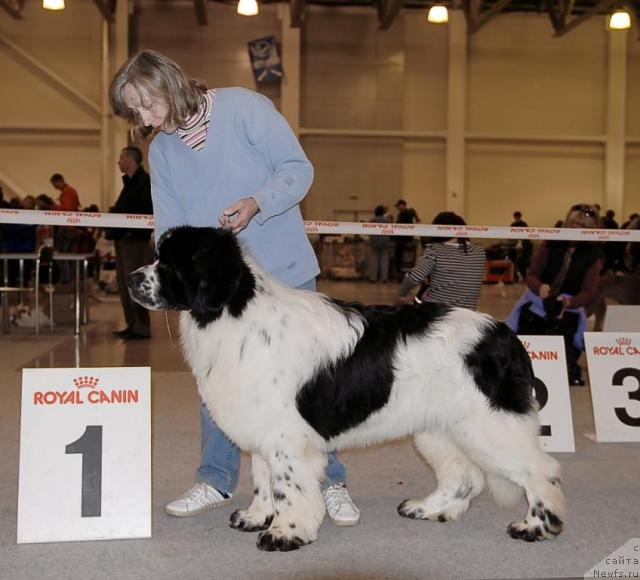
<point>408,299</point>
<point>544,291</point>
<point>237,216</point>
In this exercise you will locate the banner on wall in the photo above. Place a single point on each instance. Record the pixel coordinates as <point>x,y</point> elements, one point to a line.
<point>265,59</point>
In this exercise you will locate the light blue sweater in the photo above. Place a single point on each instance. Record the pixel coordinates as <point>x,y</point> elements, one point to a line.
<point>250,152</point>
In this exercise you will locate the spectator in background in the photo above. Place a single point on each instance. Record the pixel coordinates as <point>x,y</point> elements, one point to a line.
<point>562,280</point>
<point>406,215</point>
<point>625,225</point>
<point>20,238</point>
<point>608,221</point>
<point>132,245</point>
<point>518,222</point>
<point>379,246</point>
<point>66,237</point>
<point>614,252</point>
<point>4,204</point>
<point>524,248</point>
<point>451,270</point>
<point>633,248</point>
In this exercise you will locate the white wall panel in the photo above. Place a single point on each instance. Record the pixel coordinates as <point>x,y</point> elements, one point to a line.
<point>352,174</point>
<point>523,80</point>
<point>633,86</point>
<point>542,182</point>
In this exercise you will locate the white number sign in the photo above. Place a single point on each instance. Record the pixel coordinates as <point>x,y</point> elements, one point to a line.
<point>614,375</point>
<point>85,455</point>
<point>551,388</point>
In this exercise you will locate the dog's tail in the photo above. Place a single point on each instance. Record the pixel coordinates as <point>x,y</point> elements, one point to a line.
<point>505,492</point>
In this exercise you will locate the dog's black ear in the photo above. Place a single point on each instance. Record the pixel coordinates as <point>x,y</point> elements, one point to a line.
<point>221,276</point>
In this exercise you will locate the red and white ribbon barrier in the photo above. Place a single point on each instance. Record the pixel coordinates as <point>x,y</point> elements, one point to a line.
<point>119,220</point>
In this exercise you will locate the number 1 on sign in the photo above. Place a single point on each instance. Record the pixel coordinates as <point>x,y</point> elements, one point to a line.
<point>90,446</point>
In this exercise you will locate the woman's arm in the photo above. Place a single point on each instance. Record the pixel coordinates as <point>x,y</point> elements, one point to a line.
<point>538,262</point>
<point>423,268</point>
<point>270,135</point>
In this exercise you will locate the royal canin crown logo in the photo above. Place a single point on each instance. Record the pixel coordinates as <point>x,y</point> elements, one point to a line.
<point>624,347</point>
<point>527,345</point>
<point>86,382</point>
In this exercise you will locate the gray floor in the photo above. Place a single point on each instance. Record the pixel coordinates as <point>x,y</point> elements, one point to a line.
<point>601,482</point>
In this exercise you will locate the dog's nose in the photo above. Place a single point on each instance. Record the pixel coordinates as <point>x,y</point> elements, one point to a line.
<point>135,279</point>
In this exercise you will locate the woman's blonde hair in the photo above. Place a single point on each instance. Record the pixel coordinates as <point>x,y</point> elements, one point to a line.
<point>156,78</point>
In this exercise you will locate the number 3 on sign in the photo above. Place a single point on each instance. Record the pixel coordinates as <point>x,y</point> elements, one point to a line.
<point>87,433</point>
<point>614,375</point>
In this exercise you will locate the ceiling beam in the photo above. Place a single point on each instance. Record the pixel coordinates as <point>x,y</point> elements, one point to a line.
<point>296,12</point>
<point>13,8</point>
<point>484,17</point>
<point>588,13</point>
<point>105,8</point>
<point>201,12</point>
<point>387,12</point>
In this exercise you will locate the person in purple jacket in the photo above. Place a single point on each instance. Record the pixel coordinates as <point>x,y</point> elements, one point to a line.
<point>225,157</point>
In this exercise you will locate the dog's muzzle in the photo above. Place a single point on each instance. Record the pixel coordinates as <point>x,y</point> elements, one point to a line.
<point>143,287</point>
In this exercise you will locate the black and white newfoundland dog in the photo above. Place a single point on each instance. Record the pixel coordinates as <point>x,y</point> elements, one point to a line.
<point>290,374</point>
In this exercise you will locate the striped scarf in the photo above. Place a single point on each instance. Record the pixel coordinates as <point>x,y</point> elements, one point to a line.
<point>194,131</point>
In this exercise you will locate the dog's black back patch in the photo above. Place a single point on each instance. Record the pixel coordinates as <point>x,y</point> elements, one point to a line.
<point>502,369</point>
<point>344,394</point>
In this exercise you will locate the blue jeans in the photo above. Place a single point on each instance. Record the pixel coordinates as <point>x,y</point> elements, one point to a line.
<point>220,457</point>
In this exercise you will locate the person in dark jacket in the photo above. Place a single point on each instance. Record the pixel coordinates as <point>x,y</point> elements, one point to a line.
<point>562,280</point>
<point>132,245</point>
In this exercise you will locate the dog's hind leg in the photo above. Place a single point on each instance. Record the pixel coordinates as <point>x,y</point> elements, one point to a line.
<point>259,515</point>
<point>506,445</point>
<point>459,480</point>
<point>297,466</point>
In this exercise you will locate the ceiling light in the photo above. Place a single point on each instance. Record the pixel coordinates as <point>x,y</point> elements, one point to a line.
<point>620,20</point>
<point>438,14</point>
<point>53,4</point>
<point>247,7</point>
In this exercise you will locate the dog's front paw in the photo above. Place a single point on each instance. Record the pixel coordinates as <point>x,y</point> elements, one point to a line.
<point>414,509</point>
<point>243,520</point>
<point>276,541</point>
<point>537,529</point>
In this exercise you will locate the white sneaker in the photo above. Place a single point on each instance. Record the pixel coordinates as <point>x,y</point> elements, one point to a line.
<point>340,506</point>
<point>199,498</point>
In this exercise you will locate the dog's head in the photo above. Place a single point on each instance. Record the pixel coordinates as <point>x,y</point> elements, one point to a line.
<point>197,269</point>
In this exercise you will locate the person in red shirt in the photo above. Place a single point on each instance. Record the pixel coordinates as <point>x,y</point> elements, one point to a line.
<point>68,199</point>
<point>66,239</point>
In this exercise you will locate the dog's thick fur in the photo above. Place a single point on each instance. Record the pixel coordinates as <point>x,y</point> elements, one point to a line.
<point>289,374</point>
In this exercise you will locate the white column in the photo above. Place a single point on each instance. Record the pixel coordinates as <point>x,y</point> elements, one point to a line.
<point>119,127</point>
<point>615,120</point>
<point>106,173</point>
<point>456,113</point>
<point>290,86</point>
